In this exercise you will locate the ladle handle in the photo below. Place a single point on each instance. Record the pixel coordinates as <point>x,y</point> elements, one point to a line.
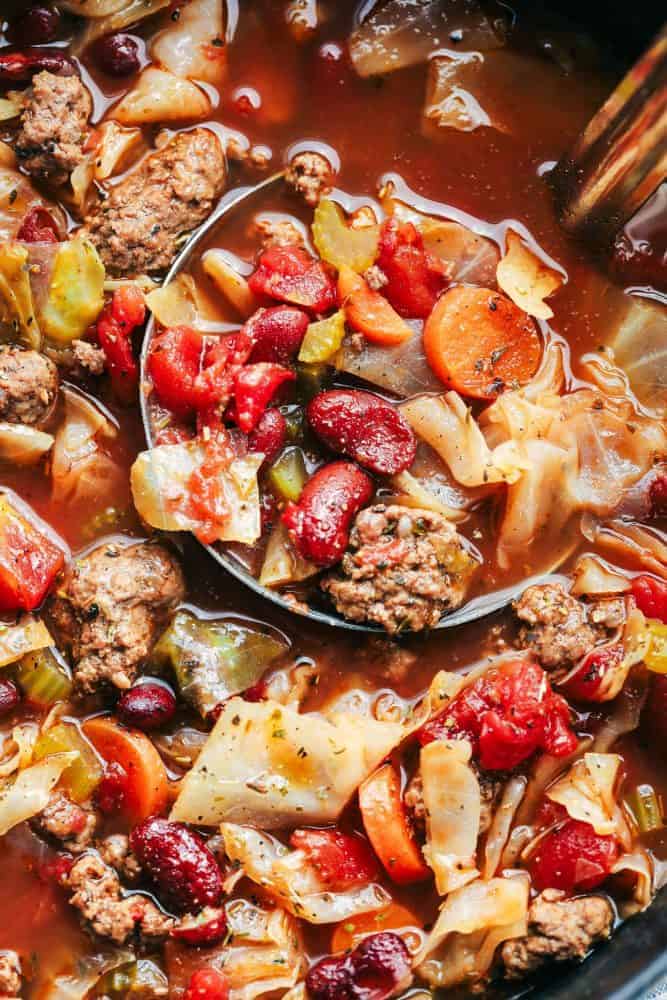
<point>621,157</point>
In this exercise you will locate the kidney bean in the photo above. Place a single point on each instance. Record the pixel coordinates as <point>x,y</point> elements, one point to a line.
<point>9,696</point>
<point>319,524</point>
<point>37,25</point>
<point>180,864</point>
<point>374,970</point>
<point>205,928</point>
<point>367,428</point>
<point>276,333</point>
<point>269,436</point>
<point>147,705</point>
<point>112,789</point>
<point>16,67</point>
<point>117,55</point>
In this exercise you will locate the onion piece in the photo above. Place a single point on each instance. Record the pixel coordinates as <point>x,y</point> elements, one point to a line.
<point>639,864</point>
<point>405,32</point>
<point>637,543</point>
<point>290,877</point>
<point>639,344</point>
<point>402,370</point>
<point>587,791</point>
<point>414,494</point>
<point>25,637</point>
<point>80,469</point>
<point>264,952</point>
<point>180,303</point>
<point>193,46</point>
<point>526,279</point>
<point>218,265</point>
<point>594,577</point>
<point>453,804</point>
<point>21,444</point>
<point>503,818</point>
<point>159,96</point>
<point>449,103</point>
<point>115,145</point>
<point>10,107</point>
<point>282,563</point>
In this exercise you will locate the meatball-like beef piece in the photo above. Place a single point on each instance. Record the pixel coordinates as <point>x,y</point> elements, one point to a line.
<point>54,126</point>
<point>559,930</point>
<point>111,608</point>
<point>97,894</point>
<point>403,569</point>
<point>10,974</point>
<point>28,385</point>
<point>277,233</point>
<point>137,229</point>
<point>73,825</point>
<point>560,629</point>
<point>311,175</point>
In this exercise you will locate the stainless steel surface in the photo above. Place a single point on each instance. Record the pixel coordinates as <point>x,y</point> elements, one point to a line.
<point>620,158</point>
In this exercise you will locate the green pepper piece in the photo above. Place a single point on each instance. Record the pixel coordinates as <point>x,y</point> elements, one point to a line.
<point>287,476</point>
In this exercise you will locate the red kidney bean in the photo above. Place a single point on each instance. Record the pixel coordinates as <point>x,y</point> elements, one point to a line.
<point>319,524</point>
<point>205,928</point>
<point>148,705</point>
<point>112,789</point>
<point>16,67</point>
<point>180,864</point>
<point>9,696</point>
<point>269,436</point>
<point>38,226</point>
<point>117,55</point>
<point>37,25</point>
<point>658,495</point>
<point>374,970</point>
<point>367,428</point>
<point>276,333</point>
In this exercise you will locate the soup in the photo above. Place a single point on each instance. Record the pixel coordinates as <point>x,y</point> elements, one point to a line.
<point>389,386</point>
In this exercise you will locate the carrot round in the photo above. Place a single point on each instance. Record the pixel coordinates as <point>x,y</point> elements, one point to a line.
<point>349,933</point>
<point>147,790</point>
<point>369,312</point>
<point>386,823</point>
<point>479,343</point>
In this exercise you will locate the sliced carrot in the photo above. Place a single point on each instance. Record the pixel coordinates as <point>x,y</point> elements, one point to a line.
<point>147,790</point>
<point>479,343</point>
<point>387,827</point>
<point>349,933</point>
<point>369,312</point>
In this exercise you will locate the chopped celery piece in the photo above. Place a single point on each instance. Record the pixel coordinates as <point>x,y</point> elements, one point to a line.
<point>311,379</point>
<point>287,476</point>
<point>340,244</point>
<point>213,659</point>
<point>656,657</point>
<point>84,774</point>
<point>646,808</point>
<point>43,679</point>
<point>140,979</point>
<point>323,339</point>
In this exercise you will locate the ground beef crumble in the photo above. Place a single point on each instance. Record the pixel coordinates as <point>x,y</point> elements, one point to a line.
<point>403,569</point>
<point>10,975</point>
<point>277,233</point>
<point>66,821</point>
<point>54,126</point>
<point>96,893</point>
<point>310,175</point>
<point>28,385</point>
<point>559,629</point>
<point>559,929</point>
<point>111,608</point>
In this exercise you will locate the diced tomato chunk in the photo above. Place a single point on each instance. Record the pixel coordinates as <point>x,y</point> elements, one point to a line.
<point>207,984</point>
<point>415,278</point>
<point>115,326</point>
<point>507,714</point>
<point>174,364</point>
<point>290,274</point>
<point>573,857</point>
<point>254,388</point>
<point>29,561</point>
<point>651,596</point>
<point>38,226</point>
<point>591,680</point>
<point>341,860</point>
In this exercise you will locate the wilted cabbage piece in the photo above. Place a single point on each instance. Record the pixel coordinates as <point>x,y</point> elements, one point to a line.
<point>472,922</point>
<point>160,481</point>
<point>17,311</point>
<point>24,637</point>
<point>213,658</point>
<point>282,563</point>
<point>405,32</point>
<point>587,792</point>
<point>180,303</point>
<point>402,369</point>
<point>526,279</point>
<point>114,145</point>
<point>639,342</point>
<point>76,292</point>
<point>264,953</point>
<point>159,96</point>
<point>448,103</point>
<point>21,444</point>
<point>193,46</point>
<point>80,468</point>
<point>27,794</point>
<point>291,878</point>
<point>267,765</point>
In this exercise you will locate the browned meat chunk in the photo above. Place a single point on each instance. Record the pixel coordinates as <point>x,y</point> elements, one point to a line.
<point>137,229</point>
<point>311,175</point>
<point>111,608</point>
<point>10,974</point>
<point>277,233</point>
<point>389,660</point>
<point>559,929</point>
<point>115,851</point>
<point>28,385</point>
<point>560,629</point>
<point>67,822</point>
<point>403,569</point>
<point>54,126</point>
<point>86,359</point>
<point>96,893</point>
